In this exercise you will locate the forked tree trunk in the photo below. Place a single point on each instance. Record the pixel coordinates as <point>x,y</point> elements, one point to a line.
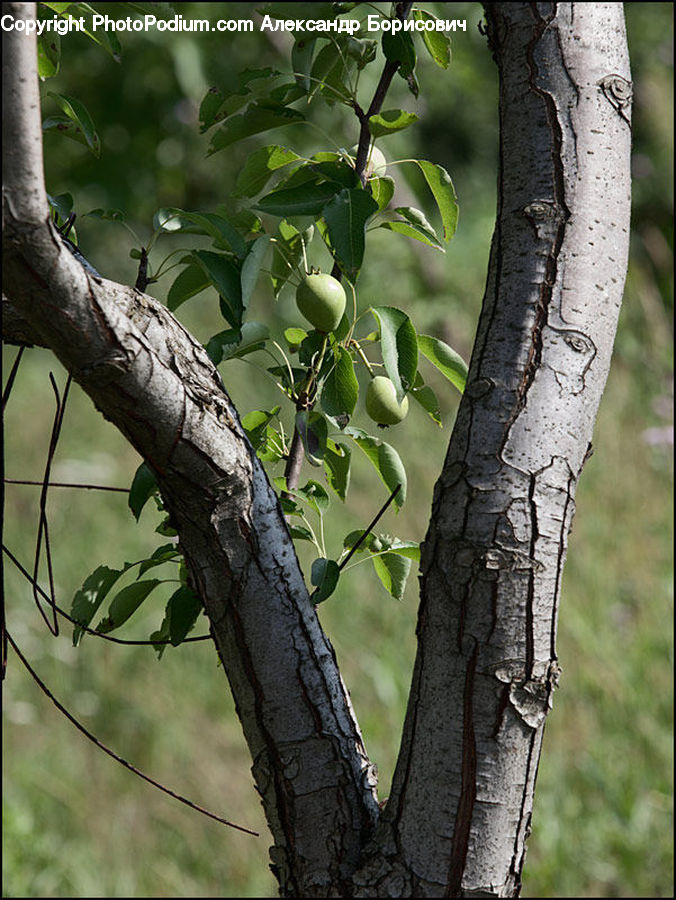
<point>459,813</point>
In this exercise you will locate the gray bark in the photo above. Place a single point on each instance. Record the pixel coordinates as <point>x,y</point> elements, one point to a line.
<point>459,814</point>
<point>148,376</point>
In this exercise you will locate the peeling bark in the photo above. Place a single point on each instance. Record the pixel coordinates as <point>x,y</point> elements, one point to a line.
<point>148,376</point>
<point>459,814</point>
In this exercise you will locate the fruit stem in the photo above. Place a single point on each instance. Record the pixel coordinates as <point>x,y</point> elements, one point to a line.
<point>363,358</point>
<point>302,244</point>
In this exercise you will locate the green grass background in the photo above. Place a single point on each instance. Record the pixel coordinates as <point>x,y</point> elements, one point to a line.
<point>76,824</point>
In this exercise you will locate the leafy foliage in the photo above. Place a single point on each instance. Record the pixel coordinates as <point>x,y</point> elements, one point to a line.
<point>285,204</point>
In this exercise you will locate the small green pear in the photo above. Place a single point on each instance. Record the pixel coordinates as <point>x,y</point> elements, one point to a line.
<point>321,299</point>
<point>382,404</point>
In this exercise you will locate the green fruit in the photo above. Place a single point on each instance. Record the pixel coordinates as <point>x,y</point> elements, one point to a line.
<point>321,299</point>
<point>377,165</point>
<point>382,404</point>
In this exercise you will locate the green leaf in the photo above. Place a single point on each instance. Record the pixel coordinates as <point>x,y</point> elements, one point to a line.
<point>337,459</point>
<point>399,48</point>
<point>219,103</point>
<point>382,190</point>
<point>294,337</point>
<point>440,184</point>
<point>225,277</point>
<point>389,121</point>
<point>336,170</point>
<point>255,424</point>
<point>183,608</point>
<point>301,60</point>
<point>301,533</point>
<point>225,236</point>
<point>235,343</point>
<point>125,603</point>
<point>77,113</point>
<point>302,200</point>
<point>315,496</point>
<point>107,215</point>
<point>351,539</point>
<point>415,232</point>
<point>62,204</point>
<point>90,596</point>
<point>142,488</point>
<point>437,43</point>
<point>106,39</point>
<point>331,71</point>
<point>313,430</point>
<point>260,167</point>
<point>362,51</point>
<point>160,556</point>
<point>449,363</point>
<point>341,388</point>
<point>393,571</point>
<point>251,267</point>
<point>255,119</point>
<point>399,347</point>
<point>346,217</point>
<point>191,281</point>
<point>325,575</point>
<point>49,54</point>
<point>384,459</point>
<point>426,397</point>
<point>287,253</point>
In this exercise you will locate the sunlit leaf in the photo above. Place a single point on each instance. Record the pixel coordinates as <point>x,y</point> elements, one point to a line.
<point>437,43</point>
<point>384,459</point>
<point>449,363</point>
<point>389,121</point>
<point>399,347</point>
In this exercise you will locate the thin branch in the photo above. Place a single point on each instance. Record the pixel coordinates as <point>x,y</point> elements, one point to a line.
<point>80,727</point>
<point>370,528</point>
<point>294,462</point>
<point>106,637</point>
<point>64,484</point>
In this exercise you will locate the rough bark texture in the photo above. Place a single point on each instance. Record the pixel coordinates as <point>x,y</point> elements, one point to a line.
<point>459,814</point>
<point>146,374</point>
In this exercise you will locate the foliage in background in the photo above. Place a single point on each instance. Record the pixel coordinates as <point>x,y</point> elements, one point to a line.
<point>77,825</point>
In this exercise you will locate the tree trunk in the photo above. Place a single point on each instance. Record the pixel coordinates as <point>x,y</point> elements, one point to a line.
<point>148,376</point>
<point>459,813</point>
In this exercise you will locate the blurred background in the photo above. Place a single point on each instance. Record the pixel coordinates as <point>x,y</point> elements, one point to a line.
<point>76,824</point>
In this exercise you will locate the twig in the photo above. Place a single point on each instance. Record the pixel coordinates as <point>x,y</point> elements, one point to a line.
<point>80,727</point>
<point>373,524</point>
<point>294,462</point>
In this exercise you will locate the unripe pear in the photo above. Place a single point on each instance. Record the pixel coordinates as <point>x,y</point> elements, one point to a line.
<point>321,299</point>
<point>382,404</point>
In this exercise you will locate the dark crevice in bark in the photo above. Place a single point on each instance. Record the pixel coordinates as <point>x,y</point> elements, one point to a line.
<point>463,816</point>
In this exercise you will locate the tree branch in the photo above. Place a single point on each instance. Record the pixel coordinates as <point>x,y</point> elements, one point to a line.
<point>294,463</point>
<point>148,376</point>
<point>459,813</point>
